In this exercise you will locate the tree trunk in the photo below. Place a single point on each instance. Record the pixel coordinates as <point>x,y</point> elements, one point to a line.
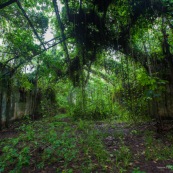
<point>0,108</point>
<point>8,105</point>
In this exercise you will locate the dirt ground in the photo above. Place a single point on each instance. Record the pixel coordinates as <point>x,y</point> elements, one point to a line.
<point>134,138</point>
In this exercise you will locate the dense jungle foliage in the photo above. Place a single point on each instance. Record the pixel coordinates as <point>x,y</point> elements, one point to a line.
<point>90,60</point>
<point>106,55</point>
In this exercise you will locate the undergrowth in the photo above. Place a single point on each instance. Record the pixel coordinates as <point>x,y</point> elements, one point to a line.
<point>158,149</point>
<point>61,144</point>
<point>54,141</point>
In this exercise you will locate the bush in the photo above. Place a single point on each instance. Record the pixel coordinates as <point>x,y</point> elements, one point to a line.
<point>93,112</point>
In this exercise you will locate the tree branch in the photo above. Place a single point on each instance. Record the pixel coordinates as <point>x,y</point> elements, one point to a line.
<point>7,4</point>
<point>28,59</point>
<point>30,23</point>
<point>62,29</point>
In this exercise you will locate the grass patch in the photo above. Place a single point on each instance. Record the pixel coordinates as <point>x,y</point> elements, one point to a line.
<point>123,157</point>
<point>158,149</point>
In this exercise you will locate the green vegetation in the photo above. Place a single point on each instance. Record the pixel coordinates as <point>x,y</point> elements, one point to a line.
<point>158,149</point>
<point>55,140</point>
<point>86,86</point>
<point>59,144</point>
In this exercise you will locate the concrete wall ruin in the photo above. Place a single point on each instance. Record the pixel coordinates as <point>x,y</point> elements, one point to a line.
<point>16,104</point>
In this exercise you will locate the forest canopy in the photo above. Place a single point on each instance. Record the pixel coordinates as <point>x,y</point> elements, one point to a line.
<point>127,44</point>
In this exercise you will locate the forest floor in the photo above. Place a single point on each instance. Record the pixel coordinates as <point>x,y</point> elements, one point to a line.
<point>61,145</point>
